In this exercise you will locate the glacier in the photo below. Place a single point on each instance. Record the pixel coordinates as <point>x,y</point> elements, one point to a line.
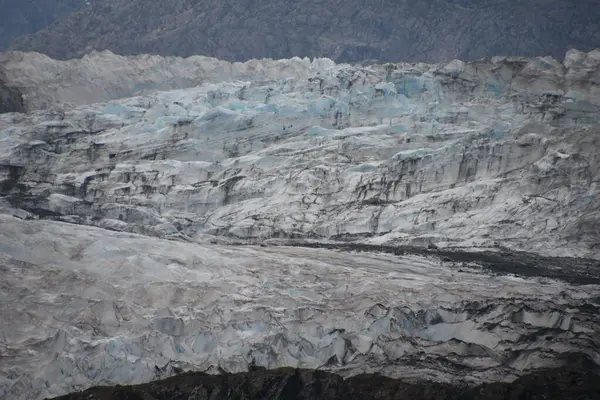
<point>83,306</point>
<point>497,152</point>
<point>168,214</point>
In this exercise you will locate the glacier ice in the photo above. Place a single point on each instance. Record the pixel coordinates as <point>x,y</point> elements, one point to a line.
<point>123,188</point>
<point>89,306</point>
<point>315,149</point>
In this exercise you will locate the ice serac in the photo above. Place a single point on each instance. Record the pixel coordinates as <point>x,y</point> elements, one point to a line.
<point>499,152</point>
<point>120,195</point>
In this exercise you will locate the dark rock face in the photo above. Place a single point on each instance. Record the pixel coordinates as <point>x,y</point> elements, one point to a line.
<point>11,99</point>
<point>22,17</point>
<point>287,383</point>
<point>352,30</point>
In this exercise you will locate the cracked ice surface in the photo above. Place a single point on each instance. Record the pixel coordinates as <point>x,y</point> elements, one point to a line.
<point>497,152</point>
<point>88,306</point>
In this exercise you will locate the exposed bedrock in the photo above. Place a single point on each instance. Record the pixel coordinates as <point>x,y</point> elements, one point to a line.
<point>11,99</point>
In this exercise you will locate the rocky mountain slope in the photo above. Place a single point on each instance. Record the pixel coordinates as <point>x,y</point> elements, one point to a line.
<point>389,202</point>
<point>387,30</point>
<point>24,17</point>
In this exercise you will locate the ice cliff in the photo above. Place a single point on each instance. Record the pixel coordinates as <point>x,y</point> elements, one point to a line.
<point>124,185</point>
<point>501,152</point>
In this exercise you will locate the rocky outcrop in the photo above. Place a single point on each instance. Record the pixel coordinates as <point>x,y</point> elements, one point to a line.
<point>313,385</point>
<point>11,99</point>
<point>350,30</point>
